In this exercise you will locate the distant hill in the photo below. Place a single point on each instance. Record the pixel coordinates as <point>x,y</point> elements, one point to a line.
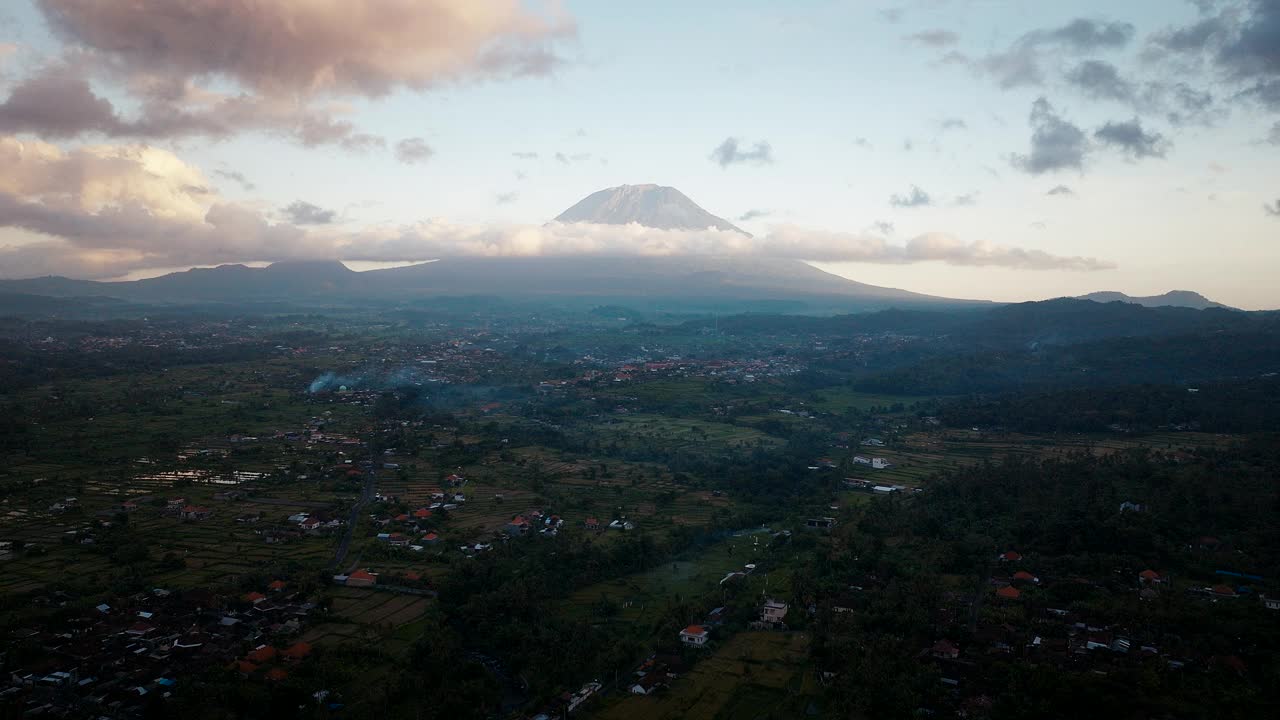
<point>655,206</point>
<point>1173,298</point>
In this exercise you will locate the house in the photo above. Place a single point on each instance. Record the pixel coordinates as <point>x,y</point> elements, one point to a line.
<point>1008,593</point>
<point>773,612</point>
<point>195,512</point>
<point>1149,576</point>
<point>824,523</point>
<point>261,654</point>
<point>1024,576</point>
<point>694,635</point>
<point>647,684</point>
<point>880,464</point>
<point>397,540</point>
<point>592,524</point>
<point>175,504</point>
<point>1010,556</point>
<point>944,650</point>
<point>255,597</point>
<point>518,526</point>
<point>430,539</point>
<point>1271,603</point>
<point>361,578</point>
<point>297,651</point>
<point>421,514</point>
<point>622,525</point>
<point>1223,591</point>
<point>276,586</point>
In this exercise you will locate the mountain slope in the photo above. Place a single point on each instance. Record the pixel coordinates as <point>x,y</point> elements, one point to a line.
<point>655,206</point>
<point>1173,298</point>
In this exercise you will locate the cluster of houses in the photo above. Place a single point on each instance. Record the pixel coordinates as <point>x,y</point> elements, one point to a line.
<point>113,660</point>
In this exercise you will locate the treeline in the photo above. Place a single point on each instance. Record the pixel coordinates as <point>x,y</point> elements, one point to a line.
<point>1233,407</point>
<point>1119,361</point>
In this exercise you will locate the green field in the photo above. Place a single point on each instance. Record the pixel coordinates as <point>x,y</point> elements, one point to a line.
<point>753,675</point>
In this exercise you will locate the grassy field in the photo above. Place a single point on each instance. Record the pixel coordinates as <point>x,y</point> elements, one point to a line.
<point>753,675</point>
<point>644,597</point>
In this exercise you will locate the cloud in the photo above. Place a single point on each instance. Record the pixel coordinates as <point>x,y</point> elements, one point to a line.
<point>1132,140</point>
<point>309,47</point>
<point>189,68</point>
<point>862,143</point>
<point>236,177</point>
<point>952,123</point>
<point>890,15</point>
<point>105,210</point>
<point>1061,190</point>
<point>1085,35</point>
<point>934,38</point>
<point>915,198</point>
<point>304,213</point>
<point>413,150</point>
<point>754,214</point>
<point>1273,137</point>
<point>882,227</point>
<point>506,198</point>
<point>57,101</point>
<point>1056,144</point>
<point>1273,209</point>
<point>967,199</point>
<point>1241,43</point>
<point>729,153</point>
<point>1100,80</point>
<point>1020,65</point>
<point>564,159</point>
<point>525,155</point>
<point>436,238</point>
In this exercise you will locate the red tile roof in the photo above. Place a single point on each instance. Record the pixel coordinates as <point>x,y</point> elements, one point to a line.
<point>362,575</point>
<point>263,654</point>
<point>298,650</point>
<point>695,630</point>
<point>1008,593</point>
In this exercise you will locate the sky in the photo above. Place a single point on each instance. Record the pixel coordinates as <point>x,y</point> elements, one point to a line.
<point>964,148</point>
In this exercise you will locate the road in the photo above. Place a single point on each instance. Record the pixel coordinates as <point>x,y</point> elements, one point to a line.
<point>366,494</point>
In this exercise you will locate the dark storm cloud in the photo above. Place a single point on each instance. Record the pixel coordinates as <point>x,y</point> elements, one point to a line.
<point>733,152</point>
<point>1100,79</point>
<point>1273,209</point>
<point>1056,144</point>
<point>300,212</point>
<point>1131,139</point>
<point>915,198</point>
<point>1020,64</point>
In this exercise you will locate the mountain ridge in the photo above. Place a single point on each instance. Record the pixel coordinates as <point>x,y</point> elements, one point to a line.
<point>1173,298</point>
